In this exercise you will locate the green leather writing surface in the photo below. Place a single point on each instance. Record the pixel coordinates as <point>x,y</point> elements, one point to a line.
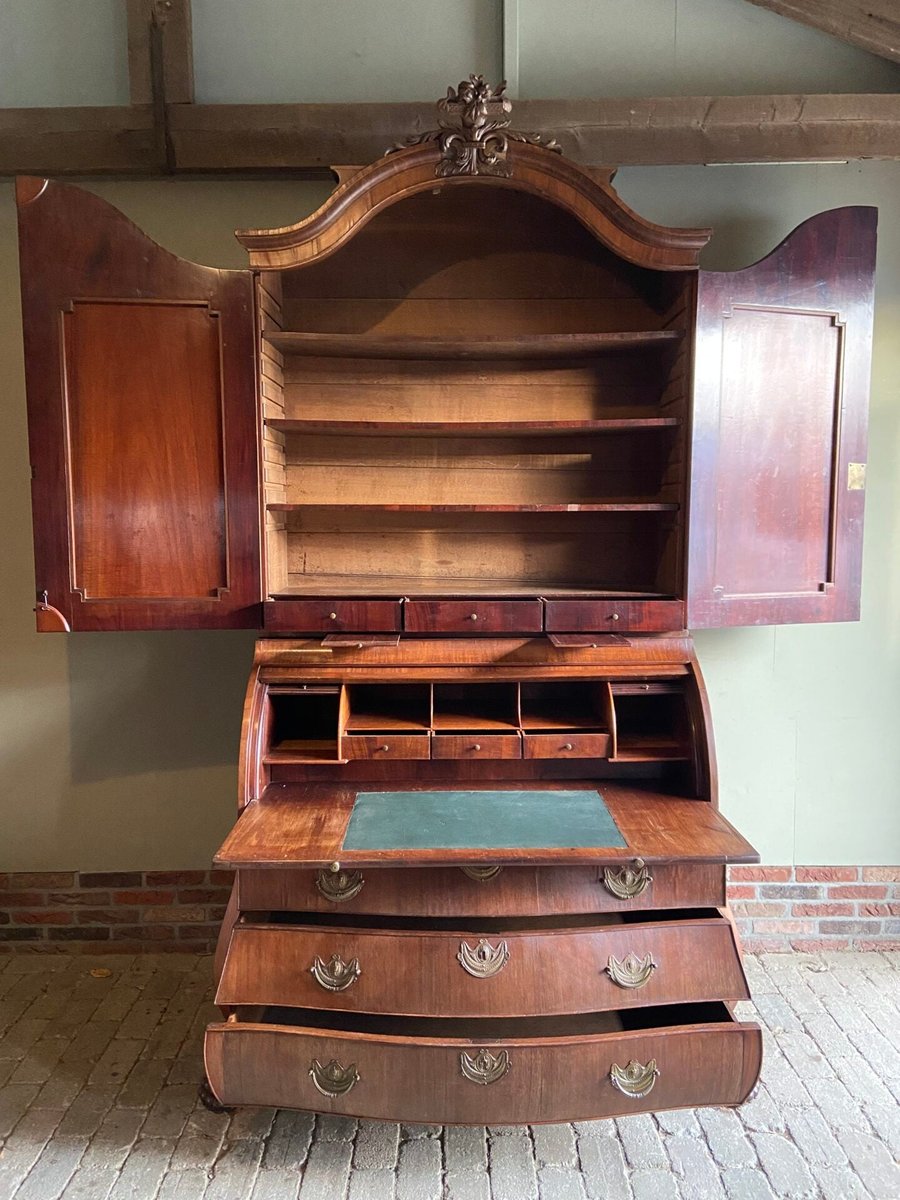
<point>480,820</point>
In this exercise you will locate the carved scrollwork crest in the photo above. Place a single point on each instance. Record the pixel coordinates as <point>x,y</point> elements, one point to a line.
<point>474,133</point>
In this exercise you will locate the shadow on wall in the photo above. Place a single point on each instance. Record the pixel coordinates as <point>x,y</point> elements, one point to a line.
<point>146,702</point>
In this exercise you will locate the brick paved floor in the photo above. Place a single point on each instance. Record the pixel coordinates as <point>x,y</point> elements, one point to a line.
<point>98,1101</point>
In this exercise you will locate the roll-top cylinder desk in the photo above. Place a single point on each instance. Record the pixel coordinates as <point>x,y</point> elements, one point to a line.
<point>473,446</point>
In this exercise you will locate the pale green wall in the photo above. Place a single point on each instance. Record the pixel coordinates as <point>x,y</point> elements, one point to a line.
<point>119,750</point>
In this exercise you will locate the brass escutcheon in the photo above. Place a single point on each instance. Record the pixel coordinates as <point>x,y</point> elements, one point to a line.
<point>333,1079</point>
<point>484,1067</point>
<point>484,960</point>
<point>634,1080</point>
<point>339,886</point>
<point>481,874</point>
<point>628,881</point>
<point>335,975</point>
<point>630,971</point>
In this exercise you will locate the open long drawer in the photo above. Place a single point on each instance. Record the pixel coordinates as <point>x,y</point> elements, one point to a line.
<point>486,968</point>
<point>480,1072</point>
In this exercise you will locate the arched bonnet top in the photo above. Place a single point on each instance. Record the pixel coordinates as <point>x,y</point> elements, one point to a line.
<point>474,145</point>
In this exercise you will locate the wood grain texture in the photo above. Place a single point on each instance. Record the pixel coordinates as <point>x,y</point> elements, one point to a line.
<point>777,486</point>
<point>475,616</point>
<point>305,824</point>
<point>332,613</point>
<point>550,1079</point>
<point>534,170</point>
<point>626,131</point>
<point>873,26</point>
<point>142,423</point>
<point>548,972</point>
<point>536,345</point>
<point>517,891</point>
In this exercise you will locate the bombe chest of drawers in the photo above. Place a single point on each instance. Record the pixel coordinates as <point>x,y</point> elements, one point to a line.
<point>473,446</point>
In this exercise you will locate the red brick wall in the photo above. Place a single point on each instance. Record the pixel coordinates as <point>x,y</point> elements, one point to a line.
<point>816,908</point>
<point>112,910</point>
<point>777,908</point>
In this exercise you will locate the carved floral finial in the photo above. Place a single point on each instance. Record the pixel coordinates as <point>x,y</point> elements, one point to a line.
<point>474,133</point>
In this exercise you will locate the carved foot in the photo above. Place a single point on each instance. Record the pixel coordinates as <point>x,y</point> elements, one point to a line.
<point>208,1099</point>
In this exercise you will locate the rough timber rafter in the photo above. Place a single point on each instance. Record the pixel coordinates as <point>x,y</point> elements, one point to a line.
<point>309,137</point>
<point>873,25</point>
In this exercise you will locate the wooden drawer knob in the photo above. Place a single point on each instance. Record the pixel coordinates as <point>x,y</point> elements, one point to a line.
<point>384,749</point>
<point>335,975</point>
<point>630,971</point>
<point>568,746</point>
<point>477,746</point>
<point>628,882</point>
<point>332,616</point>
<point>485,960</point>
<point>484,1067</point>
<point>339,886</point>
<point>333,1079</point>
<point>473,616</point>
<point>634,1080</point>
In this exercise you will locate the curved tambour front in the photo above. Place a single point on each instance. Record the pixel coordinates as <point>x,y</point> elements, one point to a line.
<point>505,891</point>
<point>545,971</point>
<point>467,1080</point>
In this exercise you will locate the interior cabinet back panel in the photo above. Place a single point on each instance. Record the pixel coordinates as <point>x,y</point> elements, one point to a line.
<point>145,428</point>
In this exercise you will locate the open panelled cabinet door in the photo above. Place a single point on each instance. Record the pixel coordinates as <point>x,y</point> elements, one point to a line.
<point>142,423</point>
<point>781,381</point>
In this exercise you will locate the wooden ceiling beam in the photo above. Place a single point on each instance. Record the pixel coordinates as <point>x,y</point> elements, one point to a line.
<point>872,25</point>
<point>173,19</point>
<point>79,141</point>
<point>270,139</point>
<point>669,130</point>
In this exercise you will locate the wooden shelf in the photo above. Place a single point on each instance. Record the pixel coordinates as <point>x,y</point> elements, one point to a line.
<point>410,585</point>
<point>543,345</point>
<point>470,429</point>
<point>624,506</point>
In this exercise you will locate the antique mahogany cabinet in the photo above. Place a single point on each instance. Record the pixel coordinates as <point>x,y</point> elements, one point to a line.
<point>474,445</point>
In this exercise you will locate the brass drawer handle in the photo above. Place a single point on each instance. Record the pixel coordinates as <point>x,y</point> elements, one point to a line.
<point>634,1080</point>
<point>629,881</point>
<point>333,1079</point>
<point>485,960</point>
<point>335,975</point>
<point>339,886</point>
<point>482,874</point>
<point>630,971</point>
<point>485,1067</point>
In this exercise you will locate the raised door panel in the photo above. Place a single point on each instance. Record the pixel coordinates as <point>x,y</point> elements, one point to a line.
<point>142,419</point>
<point>779,429</point>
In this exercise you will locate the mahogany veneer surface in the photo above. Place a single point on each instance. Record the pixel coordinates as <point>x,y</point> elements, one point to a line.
<point>304,824</point>
<point>418,1078</point>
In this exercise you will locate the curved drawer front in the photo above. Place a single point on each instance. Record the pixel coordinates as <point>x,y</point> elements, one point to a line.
<point>486,891</point>
<point>437,1080</point>
<point>460,974</point>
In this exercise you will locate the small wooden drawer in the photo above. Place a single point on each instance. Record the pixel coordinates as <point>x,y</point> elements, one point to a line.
<point>566,745</point>
<point>383,746</point>
<point>332,616</point>
<point>486,1072</point>
<point>476,745</point>
<point>486,892</point>
<point>473,616</point>
<point>614,616</point>
<point>591,966</point>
